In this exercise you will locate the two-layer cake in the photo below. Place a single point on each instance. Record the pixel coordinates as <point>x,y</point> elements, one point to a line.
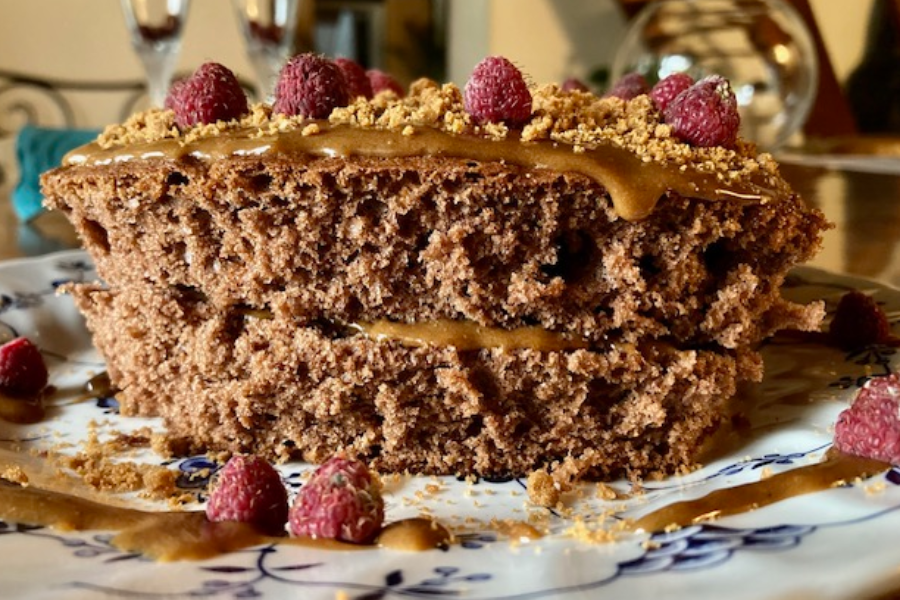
<point>432,291</point>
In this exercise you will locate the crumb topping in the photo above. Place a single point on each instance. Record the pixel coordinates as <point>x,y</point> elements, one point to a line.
<point>581,120</point>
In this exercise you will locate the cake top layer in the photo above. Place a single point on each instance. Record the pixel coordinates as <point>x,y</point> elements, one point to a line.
<point>578,119</point>
<point>635,147</point>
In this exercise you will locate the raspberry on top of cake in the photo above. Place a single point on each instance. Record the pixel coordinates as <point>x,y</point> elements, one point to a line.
<point>699,131</point>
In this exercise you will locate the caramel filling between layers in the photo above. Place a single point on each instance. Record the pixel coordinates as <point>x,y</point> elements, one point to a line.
<point>462,334</point>
<point>633,183</point>
<point>468,335</point>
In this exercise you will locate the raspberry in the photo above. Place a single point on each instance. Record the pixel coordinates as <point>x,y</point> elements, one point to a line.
<point>357,81</point>
<point>311,86</point>
<point>22,369</point>
<point>341,501</point>
<point>573,84</point>
<point>250,490</point>
<point>858,322</point>
<point>871,426</point>
<point>705,114</point>
<point>211,94</point>
<point>667,89</point>
<point>497,93</point>
<point>173,97</point>
<point>631,85</point>
<point>383,82</point>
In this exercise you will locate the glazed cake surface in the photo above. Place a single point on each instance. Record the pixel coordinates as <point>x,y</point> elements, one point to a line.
<point>433,295</point>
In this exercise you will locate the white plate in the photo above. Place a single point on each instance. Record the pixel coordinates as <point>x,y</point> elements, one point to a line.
<point>834,544</point>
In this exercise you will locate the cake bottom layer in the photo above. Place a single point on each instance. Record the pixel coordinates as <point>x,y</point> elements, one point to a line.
<point>241,381</point>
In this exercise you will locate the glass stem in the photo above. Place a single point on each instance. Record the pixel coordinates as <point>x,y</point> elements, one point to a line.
<point>159,65</point>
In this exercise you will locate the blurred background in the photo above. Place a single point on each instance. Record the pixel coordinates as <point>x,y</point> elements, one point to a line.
<point>82,48</point>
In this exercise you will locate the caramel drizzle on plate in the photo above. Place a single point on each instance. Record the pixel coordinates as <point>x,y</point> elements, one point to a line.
<point>168,536</point>
<point>835,470</point>
<point>191,536</point>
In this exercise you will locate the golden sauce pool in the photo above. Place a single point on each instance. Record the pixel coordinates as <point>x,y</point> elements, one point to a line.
<point>169,536</point>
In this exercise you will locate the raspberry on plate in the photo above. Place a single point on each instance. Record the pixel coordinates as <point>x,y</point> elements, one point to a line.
<point>384,82</point>
<point>669,88</point>
<point>871,426</point>
<point>705,114</point>
<point>311,86</point>
<point>859,321</point>
<point>341,501</point>
<point>211,94</point>
<point>250,490</point>
<point>497,93</point>
<point>629,86</point>
<point>23,373</point>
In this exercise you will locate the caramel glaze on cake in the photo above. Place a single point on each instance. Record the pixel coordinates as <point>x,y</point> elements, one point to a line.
<point>433,295</point>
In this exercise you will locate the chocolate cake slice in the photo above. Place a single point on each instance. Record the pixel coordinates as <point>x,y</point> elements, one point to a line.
<point>429,293</point>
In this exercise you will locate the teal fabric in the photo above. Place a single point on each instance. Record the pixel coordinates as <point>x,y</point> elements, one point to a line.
<point>39,149</point>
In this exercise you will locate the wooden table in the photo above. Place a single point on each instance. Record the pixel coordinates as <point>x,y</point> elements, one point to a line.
<point>865,208</point>
<point>47,233</point>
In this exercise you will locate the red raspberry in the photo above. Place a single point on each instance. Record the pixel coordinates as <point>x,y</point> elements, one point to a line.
<point>383,82</point>
<point>211,94</point>
<point>668,88</point>
<point>311,86</point>
<point>173,97</point>
<point>859,321</point>
<point>357,81</point>
<point>341,501</point>
<point>705,114</point>
<point>250,490</point>
<point>631,85</point>
<point>573,84</point>
<point>22,370</point>
<point>497,93</point>
<point>871,426</point>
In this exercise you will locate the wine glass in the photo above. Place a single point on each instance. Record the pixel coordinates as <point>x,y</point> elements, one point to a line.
<point>762,46</point>
<point>156,27</point>
<point>269,28</point>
